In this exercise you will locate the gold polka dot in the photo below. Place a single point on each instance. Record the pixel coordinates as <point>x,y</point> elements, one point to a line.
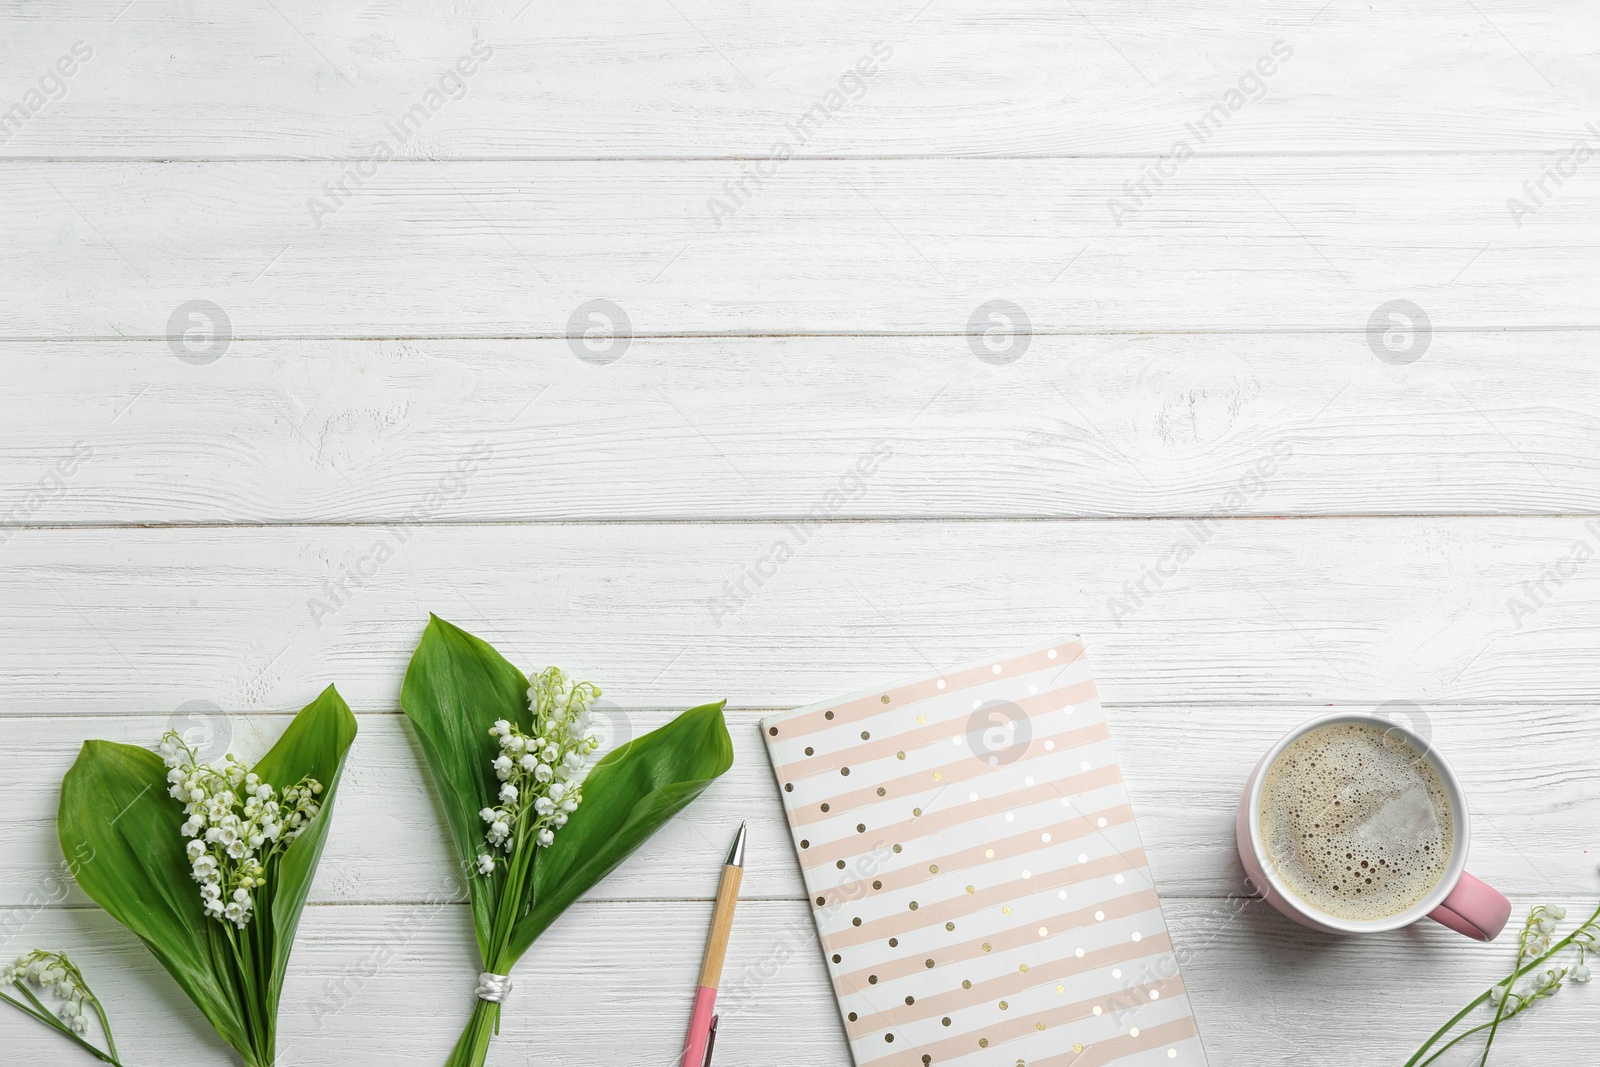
<point>970,890</point>
<point>856,921</point>
<point>877,884</point>
<point>1097,1009</point>
<point>865,736</point>
<point>828,715</point>
<point>872,979</point>
<point>933,868</point>
<point>949,926</point>
<point>1023,968</point>
<point>821,901</point>
<point>1133,1031</point>
<point>1006,910</point>
<point>1044,931</point>
<point>988,853</point>
<point>889,1038</point>
<point>983,1042</point>
<point>840,864</point>
<point>1061,989</point>
<point>916,813</point>
<point>897,848</point>
<point>894,942</point>
<point>882,792</point>
<point>1076,1047</point>
<point>804,843</point>
<point>835,957</point>
<point>1038,1026</point>
<point>922,720</point>
<point>913,905</point>
<point>825,808</point>
<point>853,1016</point>
<point>1004,1006</point>
<point>1172,1053</point>
<point>945,1021</point>
<point>911,1000</point>
<point>928,963</point>
<point>937,776</point>
<point>772,731</point>
<point>884,698</point>
<point>810,751</point>
<point>861,827</point>
<point>899,755</point>
<point>987,947</point>
<point>845,771</point>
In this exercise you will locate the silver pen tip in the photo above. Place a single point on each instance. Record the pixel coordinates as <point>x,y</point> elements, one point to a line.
<point>736,853</point>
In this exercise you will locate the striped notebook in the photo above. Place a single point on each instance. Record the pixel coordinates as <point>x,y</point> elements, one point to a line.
<point>976,874</point>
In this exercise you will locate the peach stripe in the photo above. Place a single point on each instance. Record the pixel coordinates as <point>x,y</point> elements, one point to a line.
<point>1155,944</point>
<point>1116,1048</point>
<point>1013,982</point>
<point>864,707</point>
<point>969,903</point>
<point>928,823</point>
<point>1010,1029</point>
<point>923,736</point>
<point>919,782</point>
<point>1006,848</point>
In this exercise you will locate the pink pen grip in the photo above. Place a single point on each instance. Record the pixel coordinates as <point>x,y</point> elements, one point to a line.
<point>1474,908</point>
<point>694,1048</point>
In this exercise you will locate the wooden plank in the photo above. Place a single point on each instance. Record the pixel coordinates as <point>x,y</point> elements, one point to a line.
<point>919,246</point>
<point>764,428</point>
<point>389,844</point>
<point>711,77</point>
<point>1306,611</point>
<point>394,985</point>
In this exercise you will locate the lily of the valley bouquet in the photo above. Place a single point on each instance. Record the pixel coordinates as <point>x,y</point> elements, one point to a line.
<point>534,826</point>
<point>208,863</point>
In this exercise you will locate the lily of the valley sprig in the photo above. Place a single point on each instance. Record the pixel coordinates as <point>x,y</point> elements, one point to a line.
<point>1544,965</point>
<point>236,826</point>
<point>541,777</point>
<point>52,972</point>
<point>509,757</point>
<point>210,864</point>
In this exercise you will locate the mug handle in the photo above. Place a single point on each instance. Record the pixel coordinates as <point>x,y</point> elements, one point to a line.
<point>1474,908</point>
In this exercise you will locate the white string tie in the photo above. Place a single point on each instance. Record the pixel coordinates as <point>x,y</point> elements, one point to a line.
<point>494,988</point>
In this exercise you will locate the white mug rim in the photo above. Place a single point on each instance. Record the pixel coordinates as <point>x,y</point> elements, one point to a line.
<point>1458,803</point>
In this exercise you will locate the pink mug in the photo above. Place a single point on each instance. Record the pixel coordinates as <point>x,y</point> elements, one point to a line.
<point>1463,903</point>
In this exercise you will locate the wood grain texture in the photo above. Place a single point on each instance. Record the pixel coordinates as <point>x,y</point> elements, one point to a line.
<point>402,420</point>
<point>715,77</point>
<point>517,249</point>
<point>765,428</point>
<point>1304,611</point>
<point>393,985</point>
<point>1533,785</point>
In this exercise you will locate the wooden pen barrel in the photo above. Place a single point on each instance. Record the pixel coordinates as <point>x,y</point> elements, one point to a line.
<point>721,924</point>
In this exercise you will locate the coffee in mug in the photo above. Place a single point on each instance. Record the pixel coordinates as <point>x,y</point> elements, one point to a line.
<point>1356,822</point>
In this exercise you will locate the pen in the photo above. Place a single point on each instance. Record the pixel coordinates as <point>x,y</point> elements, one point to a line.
<point>702,1024</point>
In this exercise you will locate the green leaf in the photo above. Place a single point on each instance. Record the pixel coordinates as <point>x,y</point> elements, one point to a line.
<point>455,689</point>
<point>627,797</point>
<point>315,745</point>
<point>117,818</point>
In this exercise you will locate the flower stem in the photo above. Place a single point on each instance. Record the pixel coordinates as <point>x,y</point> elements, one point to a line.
<point>1417,1060</point>
<point>44,1016</point>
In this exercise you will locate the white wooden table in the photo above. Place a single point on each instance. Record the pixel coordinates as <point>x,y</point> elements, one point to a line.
<point>1369,514</point>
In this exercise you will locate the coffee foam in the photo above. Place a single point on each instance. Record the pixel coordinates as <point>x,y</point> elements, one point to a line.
<point>1356,822</point>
